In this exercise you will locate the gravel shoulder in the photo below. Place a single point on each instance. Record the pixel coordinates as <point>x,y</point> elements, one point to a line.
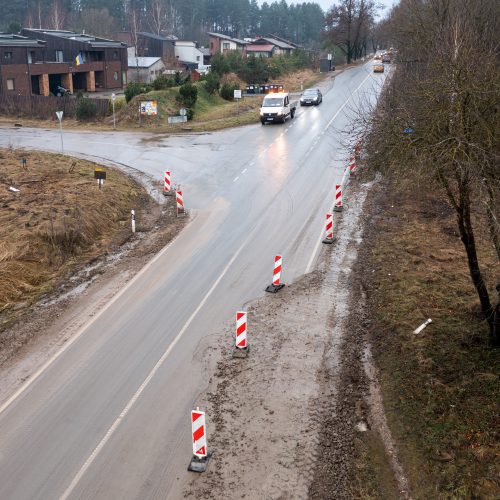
<point>281,422</point>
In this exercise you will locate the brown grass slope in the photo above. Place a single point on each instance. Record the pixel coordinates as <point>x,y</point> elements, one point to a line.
<point>57,219</point>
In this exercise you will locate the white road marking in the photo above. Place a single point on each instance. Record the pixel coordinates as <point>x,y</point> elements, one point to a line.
<point>236,178</point>
<point>343,182</point>
<point>244,170</point>
<point>148,379</point>
<point>77,335</point>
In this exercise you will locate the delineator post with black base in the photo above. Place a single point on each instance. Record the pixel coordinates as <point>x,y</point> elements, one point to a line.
<point>241,347</point>
<point>338,199</point>
<point>200,458</point>
<point>276,286</point>
<point>329,239</point>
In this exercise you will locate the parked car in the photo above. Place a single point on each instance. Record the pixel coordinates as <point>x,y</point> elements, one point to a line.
<point>311,97</point>
<point>378,68</point>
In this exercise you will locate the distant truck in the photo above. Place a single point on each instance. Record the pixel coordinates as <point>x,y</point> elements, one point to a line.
<point>277,107</point>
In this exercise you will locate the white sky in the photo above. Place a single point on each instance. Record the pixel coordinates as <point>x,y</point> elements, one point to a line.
<point>326,4</point>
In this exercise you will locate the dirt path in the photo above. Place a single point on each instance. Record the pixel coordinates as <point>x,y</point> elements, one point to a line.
<point>267,413</point>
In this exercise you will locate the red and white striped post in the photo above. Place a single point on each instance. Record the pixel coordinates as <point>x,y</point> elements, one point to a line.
<point>329,229</point>
<point>180,203</point>
<point>352,166</point>
<point>276,285</point>
<point>338,198</point>
<point>167,184</point>
<point>241,347</point>
<point>199,440</point>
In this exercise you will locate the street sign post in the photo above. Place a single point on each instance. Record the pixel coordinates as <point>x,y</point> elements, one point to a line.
<point>113,99</point>
<point>59,115</point>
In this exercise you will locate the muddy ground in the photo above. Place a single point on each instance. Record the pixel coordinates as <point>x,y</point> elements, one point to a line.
<point>282,423</point>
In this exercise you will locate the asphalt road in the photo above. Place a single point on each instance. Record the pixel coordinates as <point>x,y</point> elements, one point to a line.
<point>109,417</point>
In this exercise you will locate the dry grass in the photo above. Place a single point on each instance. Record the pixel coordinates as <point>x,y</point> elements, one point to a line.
<point>440,387</point>
<point>57,219</point>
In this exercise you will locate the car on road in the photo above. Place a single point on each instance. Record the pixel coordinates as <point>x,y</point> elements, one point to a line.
<point>311,97</point>
<point>378,68</point>
<point>277,107</point>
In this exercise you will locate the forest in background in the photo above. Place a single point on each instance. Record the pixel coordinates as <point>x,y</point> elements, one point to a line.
<point>186,19</point>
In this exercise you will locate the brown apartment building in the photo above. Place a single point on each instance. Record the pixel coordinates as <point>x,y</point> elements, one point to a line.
<point>40,62</point>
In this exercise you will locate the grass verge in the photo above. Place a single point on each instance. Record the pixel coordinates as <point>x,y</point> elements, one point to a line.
<point>57,219</point>
<point>440,387</point>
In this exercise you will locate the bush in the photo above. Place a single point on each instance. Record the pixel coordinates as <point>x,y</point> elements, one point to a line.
<point>190,113</point>
<point>163,82</point>
<point>212,83</point>
<point>85,109</point>
<point>132,90</point>
<point>227,91</point>
<point>188,95</point>
<point>177,79</point>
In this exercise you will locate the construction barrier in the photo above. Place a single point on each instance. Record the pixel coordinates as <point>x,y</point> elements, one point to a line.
<point>241,347</point>
<point>167,184</point>
<point>276,284</point>
<point>199,439</point>
<point>329,229</point>
<point>338,198</point>
<point>180,203</point>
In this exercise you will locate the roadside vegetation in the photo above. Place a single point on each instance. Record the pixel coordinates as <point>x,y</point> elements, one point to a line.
<point>435,251</point>
<point>58,219</point>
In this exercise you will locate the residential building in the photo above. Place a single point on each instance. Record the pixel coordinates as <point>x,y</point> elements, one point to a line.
<point>220,44</point>
<point>44,61</point>
<point>269,47</point>
<point>18,56</point>
<point>144,69</point>
<point>188,52</point>
<point>151,45</point>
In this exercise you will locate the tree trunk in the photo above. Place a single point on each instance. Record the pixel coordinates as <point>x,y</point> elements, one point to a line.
<point>467,237</point>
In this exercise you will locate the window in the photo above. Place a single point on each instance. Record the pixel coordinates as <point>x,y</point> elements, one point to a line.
<point>197,58</point>
<point>59,56</point>
<point>8,56</point>
<point>115,54</point>
<point>31,57</point>
<point>211,45</point>
<point>115,75</point>
<point>10,84</point>
<point>225,45</point>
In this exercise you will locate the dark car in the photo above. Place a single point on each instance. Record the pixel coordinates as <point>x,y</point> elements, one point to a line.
<point>311,97</point>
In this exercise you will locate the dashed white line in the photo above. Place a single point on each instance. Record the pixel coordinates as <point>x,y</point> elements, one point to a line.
<point>236,178</point>
<point>244,170</point>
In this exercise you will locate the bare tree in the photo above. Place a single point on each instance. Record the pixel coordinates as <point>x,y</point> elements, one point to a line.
<point>446,93</point>
<point>157,15</point>
<point>57,16</point>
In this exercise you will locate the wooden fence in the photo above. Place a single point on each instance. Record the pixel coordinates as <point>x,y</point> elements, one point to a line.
<point>37,106</point>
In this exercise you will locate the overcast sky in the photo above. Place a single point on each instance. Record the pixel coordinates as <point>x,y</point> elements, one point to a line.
<point>326,4</point>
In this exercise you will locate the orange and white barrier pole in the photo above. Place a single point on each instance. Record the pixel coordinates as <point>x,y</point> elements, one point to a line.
<point>338,198</point>
<point>199,440</point>
<point>180,203</point>
<point>329,229</point>
<point>276,285</point>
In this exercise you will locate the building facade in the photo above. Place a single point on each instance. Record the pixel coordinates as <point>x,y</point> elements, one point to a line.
<point>45,62</point>
<point>220,44</point>
<point>144,69</point>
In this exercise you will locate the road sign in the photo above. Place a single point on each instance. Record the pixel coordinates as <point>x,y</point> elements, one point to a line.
<point>99,173</point>
<point>183,111</point>
<point>329,57</point>
<point>113,97</point>
<point>59,115</point>
<point>237,94</point>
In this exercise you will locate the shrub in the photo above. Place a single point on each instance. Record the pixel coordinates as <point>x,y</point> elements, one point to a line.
<point>163,82</point>
<point>132,90</point>
<point>85,109</point>
<point>219,65</point>
<point>227,91</point>
<point>190,113</point>
<point>188,95</point>
<point>212,83</point>
<point>177,79</point>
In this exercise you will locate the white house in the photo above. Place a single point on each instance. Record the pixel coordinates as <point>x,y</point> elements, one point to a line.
<point>188,52</point>
<point>144,69</point>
